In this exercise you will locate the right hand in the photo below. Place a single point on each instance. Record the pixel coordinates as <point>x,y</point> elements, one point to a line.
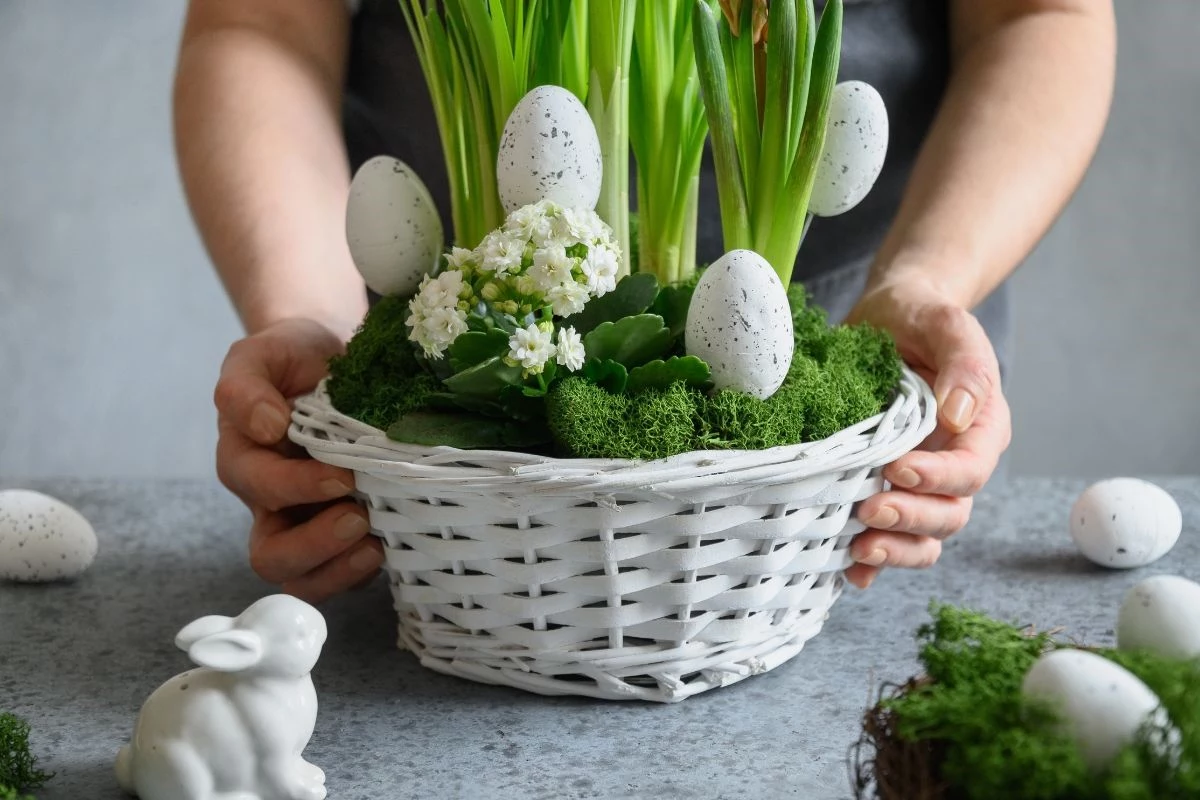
<point>307,536</point>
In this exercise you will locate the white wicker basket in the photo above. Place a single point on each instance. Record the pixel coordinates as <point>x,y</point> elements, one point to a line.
<point>614,579</point>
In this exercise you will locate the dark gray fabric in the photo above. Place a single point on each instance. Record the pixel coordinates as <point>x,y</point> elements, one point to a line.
<point>898,46</point>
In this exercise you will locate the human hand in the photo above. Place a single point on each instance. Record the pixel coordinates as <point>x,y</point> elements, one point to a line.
<point>933,486</point>
<point>306,536</point>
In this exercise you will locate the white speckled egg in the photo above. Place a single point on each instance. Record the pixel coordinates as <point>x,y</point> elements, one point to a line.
<point>1125,522</point>
<point>42,539</point>
<point>1162,615</point>
<point>1100,704</point>
<point>392,227</point>
<point>856,140</point>
<point>549,151</point>
<point>740,324</point>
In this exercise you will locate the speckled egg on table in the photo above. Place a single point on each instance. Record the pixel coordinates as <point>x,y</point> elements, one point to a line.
<point>42,538</point>
<point>1125,522</point>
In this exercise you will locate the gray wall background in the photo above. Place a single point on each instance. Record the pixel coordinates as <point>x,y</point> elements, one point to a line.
<point>112,325</point>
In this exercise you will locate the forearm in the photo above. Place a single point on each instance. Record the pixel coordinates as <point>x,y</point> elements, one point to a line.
<point>1023,114</point>
<point>263,162</point>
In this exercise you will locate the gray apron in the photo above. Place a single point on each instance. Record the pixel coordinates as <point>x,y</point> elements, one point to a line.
<point>898,46</point>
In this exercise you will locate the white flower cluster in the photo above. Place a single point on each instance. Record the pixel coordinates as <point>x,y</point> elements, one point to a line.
<point>546,261</point>
<point>438,312</point>
<point>532,347</point>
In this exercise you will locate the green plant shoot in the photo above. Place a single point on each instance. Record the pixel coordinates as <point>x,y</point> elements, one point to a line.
<point>767,108</point>
<point>610,35</point>
<point>479,58</point>
<point>668,129</point>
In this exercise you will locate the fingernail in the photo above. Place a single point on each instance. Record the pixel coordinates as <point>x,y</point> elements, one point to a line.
<point>875,558</point>
<point>267,423</point>
<point>959,408</point>
<point>366,559</point>
<point>335,488</point>
<point>884,518</point>
<point>906,479</point>
<point>350,526</point>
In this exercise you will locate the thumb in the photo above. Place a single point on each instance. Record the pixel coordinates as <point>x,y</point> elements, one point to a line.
<point>965,363</point>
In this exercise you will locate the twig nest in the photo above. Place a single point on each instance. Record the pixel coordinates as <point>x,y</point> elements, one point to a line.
<point>1101,705</point>
<point>1162,615</point>
<point>856,140</point>
<point>740,323</point>
<point>1125,522</point>
<point>549,150</point>
<point>392,227</point>
<point>42,539</point>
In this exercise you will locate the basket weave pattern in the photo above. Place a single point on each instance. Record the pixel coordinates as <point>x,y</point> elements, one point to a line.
<point>614,579</point>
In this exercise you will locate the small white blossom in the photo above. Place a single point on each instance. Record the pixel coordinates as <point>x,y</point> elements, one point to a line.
<point>551,267</point>
<point>444,290</point>
<point>600,269</point>
<point>570,349</point>
<point>501,253</point>
<point>458,257</point>
<point>531,347</point>
<point>531,222</point>
<point>567,298</point>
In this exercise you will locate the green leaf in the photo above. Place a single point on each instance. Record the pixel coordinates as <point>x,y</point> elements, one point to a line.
<point>631,341</point>
<point>465,431</point>
<point>447,401</point>
<point>515,403</point>
<point>608,375</point>
<point>672,305</point>
<point>661,374</point>
<point>727,161</point>
<point>633,295</point>
<point>486,380</point>
<point>475,347</point>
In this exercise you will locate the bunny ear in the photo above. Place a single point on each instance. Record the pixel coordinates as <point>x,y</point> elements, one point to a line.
<point>228,651</point>
<point>205,626</point>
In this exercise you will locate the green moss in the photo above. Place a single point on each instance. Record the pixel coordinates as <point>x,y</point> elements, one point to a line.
<point>378,379</point>
<point>734,419</point>
<point>18,765</point>
<point>590,422</point>
<point>997,745</point>
<point>838,377</point>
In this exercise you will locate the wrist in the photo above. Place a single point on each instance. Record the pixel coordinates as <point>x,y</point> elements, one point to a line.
<point>341,313</point>
<point>935,277</point>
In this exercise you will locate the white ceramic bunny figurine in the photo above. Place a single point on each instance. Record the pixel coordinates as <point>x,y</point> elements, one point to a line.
<point>235,728</point>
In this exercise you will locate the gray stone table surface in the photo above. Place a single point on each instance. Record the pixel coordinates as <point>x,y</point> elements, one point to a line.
<point>78,659</point>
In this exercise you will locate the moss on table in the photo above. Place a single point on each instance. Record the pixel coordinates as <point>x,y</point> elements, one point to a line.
<point>964,729</point>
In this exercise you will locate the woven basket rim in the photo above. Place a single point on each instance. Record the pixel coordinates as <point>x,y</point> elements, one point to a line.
<point>340,440</point>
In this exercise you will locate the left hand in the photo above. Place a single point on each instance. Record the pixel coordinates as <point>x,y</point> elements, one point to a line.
<point>932,487</point>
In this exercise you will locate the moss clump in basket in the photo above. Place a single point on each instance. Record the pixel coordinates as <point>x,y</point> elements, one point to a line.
<point>962,730</point>
<point>18,765</point>
<point>839,376</point>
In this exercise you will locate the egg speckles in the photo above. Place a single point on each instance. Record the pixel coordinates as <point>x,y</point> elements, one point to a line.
<point>1100,704</point>
<point>856,140</point>
<point>740,323</point>
<point>549,151</point>
<point>1161,615</point>
<point>1125,522</point>
<point>392,227</point>
<point>42,539</point>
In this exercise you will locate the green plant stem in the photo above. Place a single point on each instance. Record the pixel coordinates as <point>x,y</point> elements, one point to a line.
<point>785,238</point>
<point>711,61</point>
<point>667,130</point>
<point>479,58</point>
<point>610,26</point>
